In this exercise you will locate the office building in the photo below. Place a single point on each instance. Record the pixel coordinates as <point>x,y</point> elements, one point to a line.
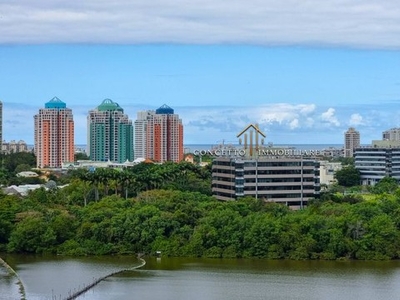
<point>375,163</point>
<point>280,175</point>
<point>159,135</point>
<point>292,181</point>
<point>110,133</point>
<point>54,135</point>
<point>351,141</point>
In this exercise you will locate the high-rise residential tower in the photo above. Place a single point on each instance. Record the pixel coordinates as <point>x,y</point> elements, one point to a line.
<point>54,135</point>
<point>351,141</point>
<point>110,133</point>
<point>159,135</point>
<point>143,117</point>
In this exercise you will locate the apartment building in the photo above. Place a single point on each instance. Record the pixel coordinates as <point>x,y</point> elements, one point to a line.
<point>54,134</point>
<point>392,134</point>
<point>159,135</point>
<point>143,118</point>
<point>351,141</point>
<point>110,133</point>
<point>14,146</point>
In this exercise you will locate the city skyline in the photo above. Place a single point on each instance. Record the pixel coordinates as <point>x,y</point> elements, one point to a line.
<point>305,72</point>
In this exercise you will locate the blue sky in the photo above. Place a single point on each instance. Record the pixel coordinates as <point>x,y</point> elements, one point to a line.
<point>305,72</point>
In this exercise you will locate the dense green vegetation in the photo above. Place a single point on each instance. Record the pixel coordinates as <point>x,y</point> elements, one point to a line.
<point>168,207</point>
<point>131,214</point>
<point>13,163</point>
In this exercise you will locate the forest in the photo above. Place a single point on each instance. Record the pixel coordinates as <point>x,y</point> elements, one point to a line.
<point>169,208</point>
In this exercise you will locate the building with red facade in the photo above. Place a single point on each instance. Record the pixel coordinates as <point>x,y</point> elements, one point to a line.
<point>54,135</point>
<point>159,135</point>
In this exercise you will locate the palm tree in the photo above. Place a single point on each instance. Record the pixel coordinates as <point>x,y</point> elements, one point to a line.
<point>86,188</point>
<point>93,178</point>
<point>126,179</point>
<point>114,179</point>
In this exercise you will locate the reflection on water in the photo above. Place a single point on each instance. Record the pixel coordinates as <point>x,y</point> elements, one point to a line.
<point>55,277</point>
<point>222,279</point>
<point>9,288</point>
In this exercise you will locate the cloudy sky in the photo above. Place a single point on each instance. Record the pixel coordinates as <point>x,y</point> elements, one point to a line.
<point>305,71</point>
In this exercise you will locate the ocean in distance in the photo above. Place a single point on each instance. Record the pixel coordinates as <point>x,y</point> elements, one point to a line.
<point>190,148</point>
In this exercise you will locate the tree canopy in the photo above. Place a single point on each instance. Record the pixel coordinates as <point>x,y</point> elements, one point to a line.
<point>348,176</point>
<point>184,223</point>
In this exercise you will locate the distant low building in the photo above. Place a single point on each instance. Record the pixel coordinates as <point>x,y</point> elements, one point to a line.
<point>385,144</point>
<point>332,152</point>
<point>189,158</point>
<point>23,190</point>
<point>29,174</point>
<point>327,171</point>
<point>14,146</point>
<point>90,164</point>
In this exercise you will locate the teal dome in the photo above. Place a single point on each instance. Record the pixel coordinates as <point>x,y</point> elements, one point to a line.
<point>109,105</point>
<point>55,103</point>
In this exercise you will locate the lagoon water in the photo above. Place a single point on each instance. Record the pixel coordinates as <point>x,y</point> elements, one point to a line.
<point>195,279</point>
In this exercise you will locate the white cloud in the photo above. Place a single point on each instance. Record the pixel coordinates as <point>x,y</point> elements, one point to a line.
<point>294,124</point>
<point>309,122</point>
<point>356,119</point>
<point>307,109</point>
<point>329,117</point>
<point>368,23</point>
<point>236,118</point>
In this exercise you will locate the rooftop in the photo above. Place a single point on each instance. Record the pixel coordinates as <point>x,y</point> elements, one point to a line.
<point>109,105</point>
<point>164,110</point>
<point>55,103</point>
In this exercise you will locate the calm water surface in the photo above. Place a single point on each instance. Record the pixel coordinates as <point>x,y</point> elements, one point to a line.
<point>222,279</point>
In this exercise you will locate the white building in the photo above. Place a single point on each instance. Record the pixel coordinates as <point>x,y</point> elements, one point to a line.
<point>327,171</point>
<point>376,163</point>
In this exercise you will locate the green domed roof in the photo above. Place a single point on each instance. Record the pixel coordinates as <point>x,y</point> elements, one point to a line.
<point>109,105</point>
